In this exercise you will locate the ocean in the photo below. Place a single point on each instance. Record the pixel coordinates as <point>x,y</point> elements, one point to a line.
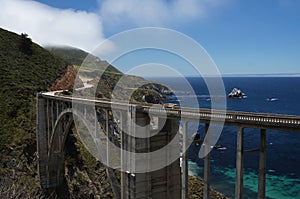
<point>264,94</point>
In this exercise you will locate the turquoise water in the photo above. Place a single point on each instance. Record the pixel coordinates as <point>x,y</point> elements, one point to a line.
<point>283,148</point>
<point>223,180</point>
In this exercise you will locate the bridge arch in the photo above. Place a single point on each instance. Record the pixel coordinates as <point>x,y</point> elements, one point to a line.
<point>60,131</point>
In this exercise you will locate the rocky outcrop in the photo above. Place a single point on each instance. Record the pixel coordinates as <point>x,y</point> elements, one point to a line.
<point>195,189</point>
<point>162,89</point>
<point>67,81</point>
<point>237,93</point>
<point>122,87</point>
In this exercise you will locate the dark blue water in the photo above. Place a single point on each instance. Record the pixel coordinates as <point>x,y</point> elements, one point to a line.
<point>283,148</point>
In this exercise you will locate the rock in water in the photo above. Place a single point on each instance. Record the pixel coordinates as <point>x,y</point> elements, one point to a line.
<point>237,93</point>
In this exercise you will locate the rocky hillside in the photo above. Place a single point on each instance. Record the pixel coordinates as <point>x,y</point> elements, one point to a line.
<point>66,81</point>
<point>108,80</point>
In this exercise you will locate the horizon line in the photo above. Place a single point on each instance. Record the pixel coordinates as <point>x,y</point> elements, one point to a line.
<point>235,75</point>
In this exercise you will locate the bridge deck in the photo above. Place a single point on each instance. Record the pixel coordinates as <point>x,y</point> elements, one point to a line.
<point>246,119</point>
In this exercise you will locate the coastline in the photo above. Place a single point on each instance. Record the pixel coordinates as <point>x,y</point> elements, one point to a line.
<point>195,189</point>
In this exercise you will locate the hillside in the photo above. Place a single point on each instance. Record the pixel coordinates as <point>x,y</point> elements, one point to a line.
<point>76,57</point>
<point>92,71</point>
<point>23,74</point>
<point>25,69</point>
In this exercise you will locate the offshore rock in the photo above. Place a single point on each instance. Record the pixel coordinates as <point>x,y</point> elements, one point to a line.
<point>237,93</point>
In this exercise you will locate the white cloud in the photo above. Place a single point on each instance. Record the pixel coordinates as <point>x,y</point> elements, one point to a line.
<point>155,12</point>
<point>51,26</point>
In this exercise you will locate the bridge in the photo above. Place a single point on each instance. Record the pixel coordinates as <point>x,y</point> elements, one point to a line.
<point>122,126</point>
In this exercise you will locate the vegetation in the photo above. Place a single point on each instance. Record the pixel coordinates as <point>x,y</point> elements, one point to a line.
<point>22,75</point>
<point>25,69</point>
<point>195,189</point>
<point>84,175</point>
<point>77,57</point>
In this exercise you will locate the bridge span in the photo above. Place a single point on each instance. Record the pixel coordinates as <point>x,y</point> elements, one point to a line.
<point>116,125</point>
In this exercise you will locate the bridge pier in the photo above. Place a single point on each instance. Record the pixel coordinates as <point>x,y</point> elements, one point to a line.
<point>206,187</point>
<point>42,141</point>
<point>240,164</point>
<point>262,166</point>
<point>239,186</point>
<point>184,166</point>
<point>48,111</point>
<point>162,183</point>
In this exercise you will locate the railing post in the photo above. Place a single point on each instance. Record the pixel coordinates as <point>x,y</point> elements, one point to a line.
<point>48,124</point>
<point>123,124</point>
<point>57,110</point>
<point>239,164</point>
<point>52,116</point>
<point>107,137</point>
<point>262,166</point>
<point>206,164</point>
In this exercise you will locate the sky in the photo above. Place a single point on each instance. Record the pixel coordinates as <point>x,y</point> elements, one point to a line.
<point>241,36</point>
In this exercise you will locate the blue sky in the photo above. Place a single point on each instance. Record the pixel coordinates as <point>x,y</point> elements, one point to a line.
<point>88,5</point>
<point>242,37</point>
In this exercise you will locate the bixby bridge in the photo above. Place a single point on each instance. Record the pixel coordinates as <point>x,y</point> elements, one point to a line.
<point>110,126</point>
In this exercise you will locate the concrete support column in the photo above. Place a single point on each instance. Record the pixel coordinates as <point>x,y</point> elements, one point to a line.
<point>57,109</point>
<point>206,164</point>
<point>123,157</point>
<point>49,127</point>
<point>161,183</point>
<point>262,166</point>
<point>173,184</point>
<point>42,141</point>
<point>139,183</point>
<point>184,166</point>
<point>239,164</point>
<point>107,137</point>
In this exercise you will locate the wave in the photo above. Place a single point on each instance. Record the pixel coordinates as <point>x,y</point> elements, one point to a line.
<point>272,99</point>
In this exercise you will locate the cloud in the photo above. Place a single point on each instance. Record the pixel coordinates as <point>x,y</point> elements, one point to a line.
<point>51,26</point>
<point>155,12</point>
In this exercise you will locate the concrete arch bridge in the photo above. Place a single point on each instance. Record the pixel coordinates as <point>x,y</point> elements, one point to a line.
<point>113,133</point>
